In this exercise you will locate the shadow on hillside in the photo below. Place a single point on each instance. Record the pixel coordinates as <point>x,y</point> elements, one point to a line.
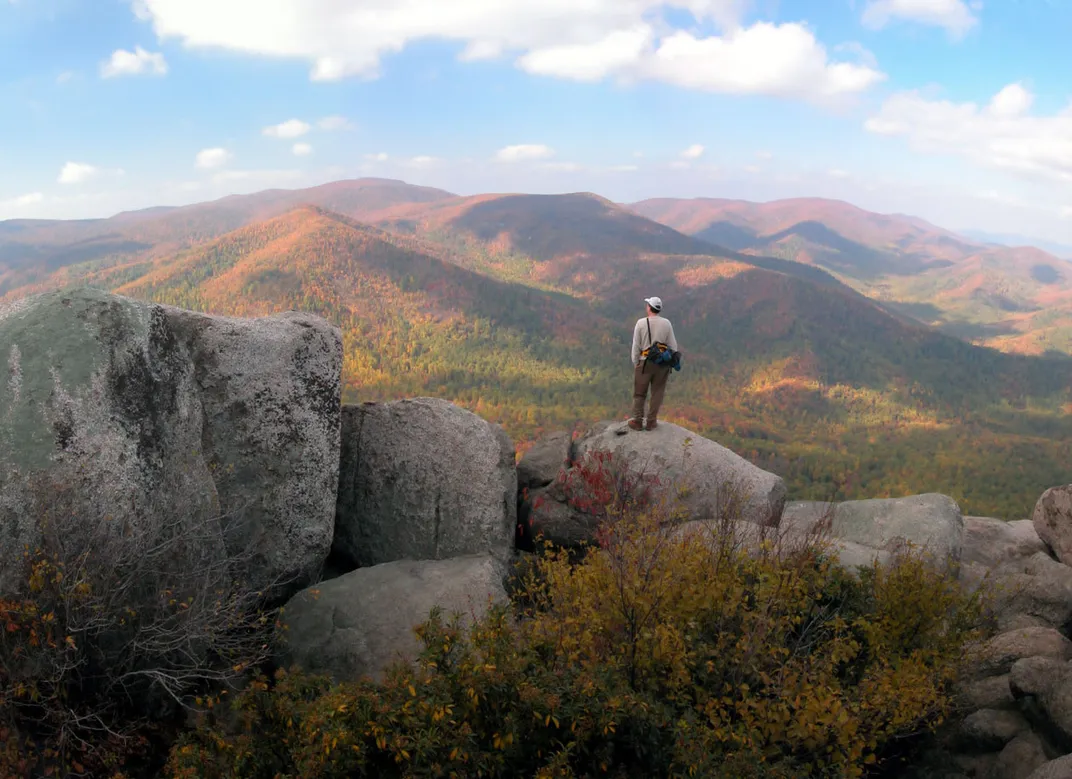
<point>730,236</point>
<point>1046,274</point>
<point>581,224</point>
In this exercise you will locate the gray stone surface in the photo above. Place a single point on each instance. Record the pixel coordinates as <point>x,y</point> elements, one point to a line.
<point>992,692</point>
<point>550,521</point>
<point>994,542</point>
<point>1061,768</point>
<point>539,466</point>
<point>362,622</point>
<point>931,523</point>
<point>145,415</point>
<point>707,478</point>
<point>423,479</point>
<point>1052,519</point>
<point>1020,757</point>
<point>989,730</point>
<point>998,655</point>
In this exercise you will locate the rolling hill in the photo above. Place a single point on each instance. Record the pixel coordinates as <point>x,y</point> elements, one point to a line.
<point>31,250</point>
<point>811,380</point>
<point>520,307</point>
<point>1012,299</point>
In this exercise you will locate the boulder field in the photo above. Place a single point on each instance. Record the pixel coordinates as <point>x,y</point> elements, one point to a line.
<point>136,416</point>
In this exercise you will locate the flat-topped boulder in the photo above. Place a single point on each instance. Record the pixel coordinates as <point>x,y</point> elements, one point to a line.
<point>359,624</point>
<point>142,416</point>
<point>699,481</point>
<point>930,523</point>
<point>708,477</point>
<point>423,479</point>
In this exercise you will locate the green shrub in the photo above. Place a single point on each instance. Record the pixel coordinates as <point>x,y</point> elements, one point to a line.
<point>660,653</point>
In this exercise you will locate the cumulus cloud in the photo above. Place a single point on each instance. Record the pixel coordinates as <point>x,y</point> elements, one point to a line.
<point>562,167</point>
<point>21,201</point>
<point>631,40</point>
<point>335,123</point>
<point>1001,134</point>
<point>77,173</point>
<point>694,152</point>
<point>523,152</point>
<point>212,158</point>
<point>302,149</point>
<point>422,161</point>
<point>380,157</point>
<point>292,128</point>
<point>134,63</point>
<point>953,15</point>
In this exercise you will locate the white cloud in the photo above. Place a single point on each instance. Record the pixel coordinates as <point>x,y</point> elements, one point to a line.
<point>77,173</point>
<point>15,203</point>
<point>837,173</point>
<point>953,15</point>
<point>212,158</point>
<point>381,157</point>
<point>134,63</point>
<point>1001,134</point>
<point>764,155</point>
<point>335,123</point>
<point>631,40</point>
<point>65,76</point>
<point>302,149</point>
<point>623,168</point>
<point>524,152</point>
<point>267,178</point>
<point>694,152</point>
<point>562,167</point>
<point>292,128</point>
<point>422,161</point>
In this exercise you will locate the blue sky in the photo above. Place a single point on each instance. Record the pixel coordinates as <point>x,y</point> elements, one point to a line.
<point>959,112</point>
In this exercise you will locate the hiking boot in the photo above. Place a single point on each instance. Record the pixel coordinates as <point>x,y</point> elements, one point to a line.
<point>652,424</point>
<point>634,424</point>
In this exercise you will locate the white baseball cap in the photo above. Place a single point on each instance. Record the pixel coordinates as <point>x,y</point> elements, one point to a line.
<point>655,303</point>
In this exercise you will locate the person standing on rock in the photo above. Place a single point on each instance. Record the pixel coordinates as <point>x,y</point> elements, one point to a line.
<point>653,337</point>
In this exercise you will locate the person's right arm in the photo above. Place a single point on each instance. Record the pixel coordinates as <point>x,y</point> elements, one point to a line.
<point>634,353</point>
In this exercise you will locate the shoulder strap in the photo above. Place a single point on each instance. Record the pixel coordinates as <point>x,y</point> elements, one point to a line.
<point>651,343</point>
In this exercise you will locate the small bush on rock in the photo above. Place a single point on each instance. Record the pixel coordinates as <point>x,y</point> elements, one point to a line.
<point>660,653</point>
<point>113,635</point>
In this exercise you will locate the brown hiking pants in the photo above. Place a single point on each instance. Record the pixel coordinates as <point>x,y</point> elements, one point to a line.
<point>647,375</point>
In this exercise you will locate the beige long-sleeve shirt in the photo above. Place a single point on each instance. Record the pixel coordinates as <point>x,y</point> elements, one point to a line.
<point>661,330</point>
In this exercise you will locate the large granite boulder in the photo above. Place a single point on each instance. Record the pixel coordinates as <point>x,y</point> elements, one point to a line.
<point>708,478</point>
<point>993,543</point>
<point>539,466</point>
<point>359,624</point>
<point>1061,768</point>
<point>929,523</point>
<point>1052,519</point>
<point>138,419</point>
<point>423,479</point>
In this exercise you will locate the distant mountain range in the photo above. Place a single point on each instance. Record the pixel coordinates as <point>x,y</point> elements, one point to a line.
<point>1013,299</point>
<point>1064,251</point>
<point>806,324</point>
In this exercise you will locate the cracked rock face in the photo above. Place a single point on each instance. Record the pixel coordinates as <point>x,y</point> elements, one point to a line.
<point>144,415</point>
<point>423,480</point>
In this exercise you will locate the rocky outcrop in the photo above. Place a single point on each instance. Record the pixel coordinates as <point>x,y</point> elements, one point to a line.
<point>701,479</point>
<point>1052,519</point>
<point>929,523</point>
<point>539,466</point>
<point>423,479</point>
<point>148,416</point>
<point>359,624</point>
